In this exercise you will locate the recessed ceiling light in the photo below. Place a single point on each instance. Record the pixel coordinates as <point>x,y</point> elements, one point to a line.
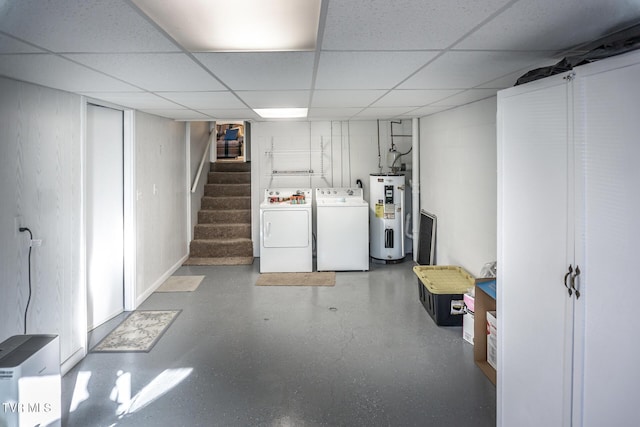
<point>238,25</point>
<point>281,113</point>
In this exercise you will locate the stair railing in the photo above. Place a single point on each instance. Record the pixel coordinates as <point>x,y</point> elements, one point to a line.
<point>212,135</point>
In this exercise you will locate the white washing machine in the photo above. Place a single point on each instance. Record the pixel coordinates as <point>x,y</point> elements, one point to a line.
<point>342,223</point>
<point>286,242</point>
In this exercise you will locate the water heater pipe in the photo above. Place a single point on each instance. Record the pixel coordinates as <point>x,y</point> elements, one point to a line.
<point>415,184</point>
<point>401,231</point>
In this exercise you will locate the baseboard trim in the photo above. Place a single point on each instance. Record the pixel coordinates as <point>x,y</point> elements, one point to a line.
<point>73,360</point>
<point>141,298</point>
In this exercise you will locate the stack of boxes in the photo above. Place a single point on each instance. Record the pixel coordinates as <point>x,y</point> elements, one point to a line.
<point>453,297</point>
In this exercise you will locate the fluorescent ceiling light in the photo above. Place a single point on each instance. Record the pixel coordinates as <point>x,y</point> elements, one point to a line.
<point>281,113</point>
<point>237,25</point>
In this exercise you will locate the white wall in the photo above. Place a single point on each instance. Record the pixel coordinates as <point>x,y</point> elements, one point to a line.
<point>162,189</point>
<point>40,180</point>
<point>343,151</point>
<point>458,183</point>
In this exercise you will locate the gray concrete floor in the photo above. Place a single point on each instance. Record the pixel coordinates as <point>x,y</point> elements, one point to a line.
<point>362,353</point>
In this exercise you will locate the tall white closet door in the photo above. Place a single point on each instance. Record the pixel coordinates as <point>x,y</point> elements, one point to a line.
<point>105,215</point>
<point>534,359</point>
<point>607,312</point>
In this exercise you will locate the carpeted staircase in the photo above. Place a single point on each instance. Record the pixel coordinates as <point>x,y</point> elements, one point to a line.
<point>223,233</point>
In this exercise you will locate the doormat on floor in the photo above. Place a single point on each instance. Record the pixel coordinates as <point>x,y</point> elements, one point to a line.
<point>139,332</point>
<point>321,278</point>
<point>180,284</point>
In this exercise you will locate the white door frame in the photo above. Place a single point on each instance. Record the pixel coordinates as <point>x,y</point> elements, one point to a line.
<point>130,203</point>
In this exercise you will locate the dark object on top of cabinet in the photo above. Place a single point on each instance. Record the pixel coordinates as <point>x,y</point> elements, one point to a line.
<point>615,44</point>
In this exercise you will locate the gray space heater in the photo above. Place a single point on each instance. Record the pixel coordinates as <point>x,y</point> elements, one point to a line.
<point>30,382</point>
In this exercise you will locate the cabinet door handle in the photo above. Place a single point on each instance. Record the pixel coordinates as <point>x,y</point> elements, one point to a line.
<point>565,280</point>
<point>573,281</point>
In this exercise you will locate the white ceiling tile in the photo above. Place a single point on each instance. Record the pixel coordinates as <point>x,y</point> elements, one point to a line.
<point>553,25</point>
<point>261,70</point>
<point>415,98</point>
<point>58,73</point>
<point>425,111</point>
<point>275,99</point>
<point>383,113</point>
<point>232,113</point>
<point>466,97</point>
<point>136,100</point>
<point>11,45</point>
<point>345,98</point>
<point>177,114</point>
<point>466,69</point>
<point>367,70</point>
<point>204,100</point>
<point>412,48</point>
<point>332,113</point>
<point>83,26</point>
<point>402,24</point>
<point>153,72</point>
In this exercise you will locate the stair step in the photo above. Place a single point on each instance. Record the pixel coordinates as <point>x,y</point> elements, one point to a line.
<point>222,231</point>
<point>235,202</point>
<point>228,216</point>
<point>229,178</point>
<point>230,167</point>
<point>220,190</point>
<point>248,260</point>
<point>215,248</point>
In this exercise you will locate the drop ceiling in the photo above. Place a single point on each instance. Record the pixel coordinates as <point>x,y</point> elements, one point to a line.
<point>374,59</point>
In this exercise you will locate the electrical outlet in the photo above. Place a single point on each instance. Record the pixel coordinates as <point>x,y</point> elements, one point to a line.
<point>36,242</point>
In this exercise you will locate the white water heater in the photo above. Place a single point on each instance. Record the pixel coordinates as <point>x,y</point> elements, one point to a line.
<point>386,217</point>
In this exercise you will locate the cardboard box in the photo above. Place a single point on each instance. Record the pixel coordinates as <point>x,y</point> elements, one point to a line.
<point>485,300</point>
<point>492,339</point>
<point>468,318</point>
<point>468,322</point>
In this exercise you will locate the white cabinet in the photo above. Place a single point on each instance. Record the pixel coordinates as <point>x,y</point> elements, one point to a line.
<point>534,176</point>
<point>568,199</point>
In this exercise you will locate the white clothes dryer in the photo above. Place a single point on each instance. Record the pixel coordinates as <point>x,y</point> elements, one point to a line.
<point>286,241</point>
<point>342,222</point>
